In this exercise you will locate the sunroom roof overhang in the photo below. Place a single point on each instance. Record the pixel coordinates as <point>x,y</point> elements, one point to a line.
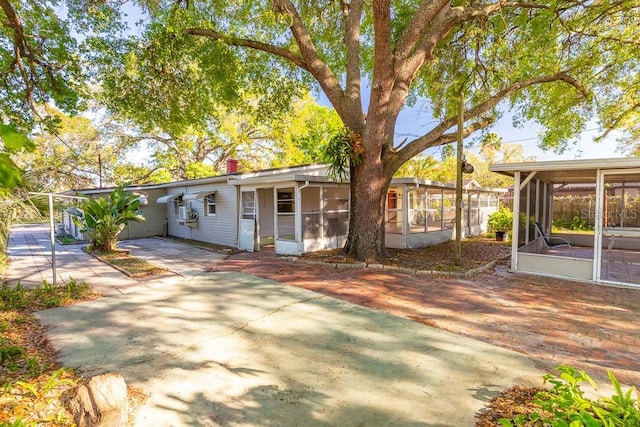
<point>570,171</point>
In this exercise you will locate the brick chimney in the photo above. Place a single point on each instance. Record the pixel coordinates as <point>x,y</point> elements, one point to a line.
<point>232,166</point>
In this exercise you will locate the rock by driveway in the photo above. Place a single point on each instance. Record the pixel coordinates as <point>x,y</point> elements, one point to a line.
<point>234,349</point>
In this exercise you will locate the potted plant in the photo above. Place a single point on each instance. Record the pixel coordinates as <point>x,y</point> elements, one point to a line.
<point>500,223</point>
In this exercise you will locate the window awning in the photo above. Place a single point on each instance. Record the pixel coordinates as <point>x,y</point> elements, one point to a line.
<point>198,195</point>
<point>168,198</point>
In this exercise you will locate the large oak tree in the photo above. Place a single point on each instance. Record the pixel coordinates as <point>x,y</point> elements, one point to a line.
<point>556,62</point>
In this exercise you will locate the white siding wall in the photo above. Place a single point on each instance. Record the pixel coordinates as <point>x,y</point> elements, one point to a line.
<point>220,228</point>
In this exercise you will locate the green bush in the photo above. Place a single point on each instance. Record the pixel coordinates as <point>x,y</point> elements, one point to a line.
<point>42,296</point>
<point>576,223</point>
<point>104,218</point>
<point>501,220</point>
<point>565,405</point>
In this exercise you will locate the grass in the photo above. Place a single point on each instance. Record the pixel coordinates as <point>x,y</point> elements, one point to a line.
<point>130,265</point>
<point>67,240</point>
<point>31,382</point>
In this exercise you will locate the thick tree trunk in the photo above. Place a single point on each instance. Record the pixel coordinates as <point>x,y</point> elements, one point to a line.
<point>369,184</point>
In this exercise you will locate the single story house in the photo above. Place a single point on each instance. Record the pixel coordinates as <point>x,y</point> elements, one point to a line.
<point>295,210</point>
<point>610,251</point>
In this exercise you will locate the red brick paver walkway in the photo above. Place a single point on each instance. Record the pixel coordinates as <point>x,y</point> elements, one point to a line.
<point>592,327</point>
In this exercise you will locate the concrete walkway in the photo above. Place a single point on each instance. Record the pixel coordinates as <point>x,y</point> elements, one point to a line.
<point>30,262</point>
<point>230,348</point>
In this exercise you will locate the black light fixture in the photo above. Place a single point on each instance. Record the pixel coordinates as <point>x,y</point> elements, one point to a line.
<point>467,167</point>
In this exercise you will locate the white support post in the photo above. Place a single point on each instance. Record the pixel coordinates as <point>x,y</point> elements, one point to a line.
<point>599,226</point>
<point>515,226</point>
<point>53,239</point>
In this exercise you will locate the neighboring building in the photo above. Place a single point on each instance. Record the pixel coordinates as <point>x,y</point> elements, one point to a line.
<point>296,210</point>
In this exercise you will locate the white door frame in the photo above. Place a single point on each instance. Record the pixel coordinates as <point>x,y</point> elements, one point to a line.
<point>243,220</point>
<point>599,223</point>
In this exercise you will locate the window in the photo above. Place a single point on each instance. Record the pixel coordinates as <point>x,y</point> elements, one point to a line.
<point>286,214</point>
<point>335,206</point>
<point>248,205</point>
<point>417,210</point>
<point>449,209</point>
<point>434,209</point>
<point>177,202</point>
<point>285,201</point>
<point>210,204</point>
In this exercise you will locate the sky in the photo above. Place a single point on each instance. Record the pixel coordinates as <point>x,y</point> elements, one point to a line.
<point>415,121</point>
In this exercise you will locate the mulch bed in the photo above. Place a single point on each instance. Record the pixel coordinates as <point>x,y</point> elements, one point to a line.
<point>517,400</point>
<point>476,252</point>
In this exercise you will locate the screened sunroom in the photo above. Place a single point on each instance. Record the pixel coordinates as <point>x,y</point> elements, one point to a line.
<point>421,212</point>
<point>577,219</point>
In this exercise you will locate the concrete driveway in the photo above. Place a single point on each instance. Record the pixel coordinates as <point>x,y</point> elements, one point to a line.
<point>234,349</point>
<point>230,348</point>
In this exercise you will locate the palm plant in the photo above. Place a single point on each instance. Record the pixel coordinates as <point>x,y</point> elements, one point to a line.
<point>104,218</point>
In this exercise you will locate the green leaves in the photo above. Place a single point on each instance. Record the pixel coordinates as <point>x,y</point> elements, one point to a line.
<point>565,405</point>
<point>104,218</point>
<point>12,141</point>
<point>47,67</point>
<point>342,153</point>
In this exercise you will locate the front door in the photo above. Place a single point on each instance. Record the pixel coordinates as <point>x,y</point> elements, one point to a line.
<point>247,233</point>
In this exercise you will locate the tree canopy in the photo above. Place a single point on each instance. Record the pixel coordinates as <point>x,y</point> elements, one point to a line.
<point>40,61</point>
<point>559,63</point>
<point>38,64</point>
<point>193,105</point>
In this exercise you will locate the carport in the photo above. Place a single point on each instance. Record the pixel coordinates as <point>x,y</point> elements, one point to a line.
<point>610,204</point>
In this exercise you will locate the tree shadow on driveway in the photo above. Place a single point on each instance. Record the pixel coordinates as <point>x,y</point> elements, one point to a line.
<point>231,348</point>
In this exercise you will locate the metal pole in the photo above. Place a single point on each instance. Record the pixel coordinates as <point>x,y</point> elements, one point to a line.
<point>100,169</point>
<point>459,201</point>
<point>51,227</point>
<point>53,238</point>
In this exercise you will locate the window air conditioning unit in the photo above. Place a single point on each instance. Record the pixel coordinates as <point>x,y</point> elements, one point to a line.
<point>183,213</point>
<point>187,216</point>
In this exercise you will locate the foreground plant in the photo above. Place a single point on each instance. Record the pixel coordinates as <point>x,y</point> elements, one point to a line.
<point>104,218</point>
<point>566,406</point>
<point>31,382</point>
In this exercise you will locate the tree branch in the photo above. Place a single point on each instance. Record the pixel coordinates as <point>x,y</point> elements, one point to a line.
<point>427,11</point>
<point>19,47</point>
<point>633,108</point>
<point>318,69</point>
<point>252,44</point>
<point>436,137</point>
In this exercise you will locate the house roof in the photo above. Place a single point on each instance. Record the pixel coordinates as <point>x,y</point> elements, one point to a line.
<point>572,171</point>
<point>299,173</point>
<point>470,185</point>
<point>280,173</point>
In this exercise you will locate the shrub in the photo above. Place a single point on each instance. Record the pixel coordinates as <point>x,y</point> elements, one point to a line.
<point>575,223</point>
<point>104,218</point>
<point>501,220</point>
<point>565,405</point>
